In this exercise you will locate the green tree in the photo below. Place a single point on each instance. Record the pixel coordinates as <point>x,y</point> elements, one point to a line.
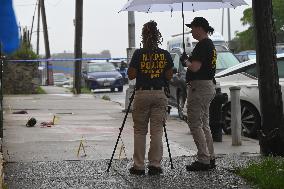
<point>25,51</point>
<point>245,40</point>
<point>21,77</point>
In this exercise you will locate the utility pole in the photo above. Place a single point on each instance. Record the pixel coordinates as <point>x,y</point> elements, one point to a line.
<point>38,28</point>
<point>229,26</point>
<point>31,33</point>
<point>129,52</point>
<point>131,29</point>
<point>78,45</point>
<point>222,30</point>
<point>37,43</point>
<point>271,138</point>
<point>46,44</point>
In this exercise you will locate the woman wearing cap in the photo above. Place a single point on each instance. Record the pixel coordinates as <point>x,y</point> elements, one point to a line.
<point>152,68</point>
<point>201,67</point>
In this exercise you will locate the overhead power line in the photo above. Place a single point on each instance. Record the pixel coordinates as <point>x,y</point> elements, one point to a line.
<point>36,6</point>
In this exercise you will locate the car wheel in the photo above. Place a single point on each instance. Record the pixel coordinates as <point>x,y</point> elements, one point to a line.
<point>112,89</point>
<point>120,89</point>
<point>180,102</point>
<point>249,116</point>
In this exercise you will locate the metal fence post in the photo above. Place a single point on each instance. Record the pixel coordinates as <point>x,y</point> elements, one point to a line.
<point>236,116</point>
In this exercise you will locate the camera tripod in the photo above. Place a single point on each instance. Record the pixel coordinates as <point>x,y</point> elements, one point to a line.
<point>122,126</point>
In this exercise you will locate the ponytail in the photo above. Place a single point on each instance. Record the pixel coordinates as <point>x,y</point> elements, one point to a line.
<point>210,30</point>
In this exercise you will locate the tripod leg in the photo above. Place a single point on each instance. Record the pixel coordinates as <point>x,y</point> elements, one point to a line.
<point>120,130</point>
<point>168,145</point>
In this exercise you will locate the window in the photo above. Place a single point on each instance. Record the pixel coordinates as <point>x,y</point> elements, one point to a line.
<point>226,60</point>
<point>251,70</point>
<point>251,56</point>
<point>280,64</point>
<point>108,67</point>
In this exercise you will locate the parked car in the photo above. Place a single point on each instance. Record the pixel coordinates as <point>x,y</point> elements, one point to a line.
<point>123,71</point>
<point>102,75</point>
<point>122,67</point>
<point>60,79</point>
<point>280,48</point>
<point>246,55</point>
<point>245,76</point>
<point>178,85</point>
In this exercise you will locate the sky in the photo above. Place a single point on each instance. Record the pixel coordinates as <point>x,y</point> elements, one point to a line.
<point>106,29</point>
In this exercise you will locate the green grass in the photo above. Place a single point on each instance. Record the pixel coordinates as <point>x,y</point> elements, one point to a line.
<point>84,90</point>
<point>105,97</point>
<point>267,174</point>
<point>40,90</point>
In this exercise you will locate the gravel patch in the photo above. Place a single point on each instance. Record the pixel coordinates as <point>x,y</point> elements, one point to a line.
<point>92,174</point>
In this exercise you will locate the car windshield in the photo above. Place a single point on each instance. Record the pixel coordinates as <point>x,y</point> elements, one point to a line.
<point>251,56</point>
<point>101,68</point>
<point>225,60</point>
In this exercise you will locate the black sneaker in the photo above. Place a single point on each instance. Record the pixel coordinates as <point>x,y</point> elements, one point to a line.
<point>154,170</point>
<point>212,164</point>
<point>134,171</point>
<point>198,166</point>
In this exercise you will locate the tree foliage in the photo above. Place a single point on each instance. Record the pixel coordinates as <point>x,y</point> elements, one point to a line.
<point>245,40</point>
<point>25,51</point>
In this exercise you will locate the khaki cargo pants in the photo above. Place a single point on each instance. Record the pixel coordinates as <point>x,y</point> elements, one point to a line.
<point>200,94</point>
<point>148,106</point>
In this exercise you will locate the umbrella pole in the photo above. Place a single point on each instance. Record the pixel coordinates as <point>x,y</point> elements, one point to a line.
<point>183,45</point>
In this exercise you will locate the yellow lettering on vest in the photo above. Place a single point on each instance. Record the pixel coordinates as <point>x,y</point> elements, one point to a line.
<point>142,65</point>
<point>154,75</point>
<point>162,56</point>
<point>148,65</point>
<point>161,64</point>
<point>144,57</point>
<point>156,56</point>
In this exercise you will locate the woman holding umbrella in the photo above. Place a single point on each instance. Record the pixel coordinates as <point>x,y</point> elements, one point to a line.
<point>201,67</point>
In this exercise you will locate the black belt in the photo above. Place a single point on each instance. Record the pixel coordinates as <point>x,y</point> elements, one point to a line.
<point>149,88</point>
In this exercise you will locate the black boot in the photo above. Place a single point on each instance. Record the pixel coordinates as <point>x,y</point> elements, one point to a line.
<point>154,170</point>
<point>198,166</point>
<point>212,164</point>
<point>134,171</point>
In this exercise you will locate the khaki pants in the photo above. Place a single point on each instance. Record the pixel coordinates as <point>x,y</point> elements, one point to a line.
<point>200,94</point>
<point>148,105</point>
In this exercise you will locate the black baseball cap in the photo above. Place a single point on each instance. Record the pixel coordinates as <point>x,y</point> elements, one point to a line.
<point>200,21</point>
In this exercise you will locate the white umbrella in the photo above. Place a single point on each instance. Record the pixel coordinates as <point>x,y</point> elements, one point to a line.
<point>176,5</point>
<point>179,5</point>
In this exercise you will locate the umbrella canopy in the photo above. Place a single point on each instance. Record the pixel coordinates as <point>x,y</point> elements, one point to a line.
<point>179,5</point>
<point>176,5</point>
